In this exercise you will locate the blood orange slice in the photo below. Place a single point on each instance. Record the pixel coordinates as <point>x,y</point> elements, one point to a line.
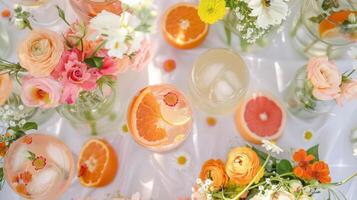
<point>260,117</point>
<point>144,115</point>
<point>182,27</point>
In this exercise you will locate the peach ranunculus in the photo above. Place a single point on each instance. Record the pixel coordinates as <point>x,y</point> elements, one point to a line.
<point>325,77</point>
<point>243,165</point>
<point>5,88</point>
<point>43,92</point>
<point>348,91</point>
<point>40,52</point>
<point>214,170</point>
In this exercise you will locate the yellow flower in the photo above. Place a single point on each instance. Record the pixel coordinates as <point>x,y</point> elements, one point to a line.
<point>210,11</point>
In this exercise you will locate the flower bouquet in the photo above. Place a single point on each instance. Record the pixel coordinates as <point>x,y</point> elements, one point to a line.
<point>324,28</point>
<point>253,174</point>
<point>251,21</point>
<point>77,73</point>
<point>317,86</point>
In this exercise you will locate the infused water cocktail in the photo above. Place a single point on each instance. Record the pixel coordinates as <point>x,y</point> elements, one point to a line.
<point>219,79</point>
<point>160,117</point>
<point>39,167</point>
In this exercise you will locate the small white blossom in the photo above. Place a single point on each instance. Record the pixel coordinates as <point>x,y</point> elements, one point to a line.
<point>269,146</point>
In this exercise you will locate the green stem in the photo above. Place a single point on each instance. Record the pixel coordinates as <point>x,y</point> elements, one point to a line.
<point>251,183</point>
<point>91,122</point>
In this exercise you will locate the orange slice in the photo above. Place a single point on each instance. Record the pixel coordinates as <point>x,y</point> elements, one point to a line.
<point>144,116</point>
<point>182,27</point>
<point>329,27</point>
<point>97,164</point>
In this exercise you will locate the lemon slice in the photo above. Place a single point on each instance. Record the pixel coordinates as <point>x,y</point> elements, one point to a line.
<point>175,117</point>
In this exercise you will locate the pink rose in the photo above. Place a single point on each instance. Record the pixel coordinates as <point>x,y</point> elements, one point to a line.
<point>42,92</point>
<point>70,94</point>
<point>348,91</point>
<point>325,78</point>
<point>142,57</point>
<point>5,88</point>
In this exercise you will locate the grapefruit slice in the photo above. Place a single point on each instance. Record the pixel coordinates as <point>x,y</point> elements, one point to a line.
<point>182,27</point>
<point>97,164</point>
<point>260,117</point>
<point>144,115</point>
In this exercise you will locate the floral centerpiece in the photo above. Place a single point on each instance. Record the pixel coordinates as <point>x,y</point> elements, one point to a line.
<point>252,174</point>
<point>76,73</point>
<point>250,20</point>
<point>318,86</point>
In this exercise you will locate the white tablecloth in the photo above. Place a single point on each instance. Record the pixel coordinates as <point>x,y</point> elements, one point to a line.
<point>154,175</point>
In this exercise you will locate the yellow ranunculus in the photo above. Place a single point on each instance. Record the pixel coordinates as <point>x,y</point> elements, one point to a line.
<point>210,11</point>
<point>243,165</point>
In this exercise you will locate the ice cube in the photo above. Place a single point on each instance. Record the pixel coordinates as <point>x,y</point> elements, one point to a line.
<point>233,80</point>
<point>59,156</point>
<point>209,74</point>
<point>223,91</point>
<point>43,181</point>
<point>19,158</point>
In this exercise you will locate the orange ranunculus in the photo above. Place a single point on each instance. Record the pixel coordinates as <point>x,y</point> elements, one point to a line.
<point>243,165</point>
<point>40,52</point>
<point>321,172</point>
<point>303,168</point>
<point>5,88</point>
<point>214,170</point>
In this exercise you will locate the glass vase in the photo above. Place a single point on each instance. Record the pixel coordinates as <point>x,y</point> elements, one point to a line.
<point>86,9</point>
<point>4,41</point>
<point>235,34</point>
<point>94,112</point>
<point>300,101</point>
<point>309,36</point>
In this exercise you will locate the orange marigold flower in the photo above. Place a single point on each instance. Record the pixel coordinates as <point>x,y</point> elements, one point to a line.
<point>321,172</point>
<point>303,168</point>
<point>3,149</point>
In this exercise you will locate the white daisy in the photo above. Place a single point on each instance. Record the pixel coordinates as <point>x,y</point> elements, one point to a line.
<point>270,146</point>
<point>116,44</point>
<point>181,160</point>
<point>268,12</point>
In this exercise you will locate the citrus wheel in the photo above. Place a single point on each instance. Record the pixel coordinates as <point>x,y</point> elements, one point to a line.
<point>144,115</point>
<point>329,27</point>
<point>182,27</point>
<point>97,163</point>
<point>260,117</point>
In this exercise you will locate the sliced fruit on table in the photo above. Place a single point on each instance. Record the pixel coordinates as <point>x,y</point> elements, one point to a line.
<point>182,27</point>
<point>329,27</point>
<point>144,116</point>
<point>97,163</point>
<point>260,117</point>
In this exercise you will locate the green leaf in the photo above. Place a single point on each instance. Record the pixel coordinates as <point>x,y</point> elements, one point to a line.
<point>29,126</point>
<point>31,156</point>
<point>96,62</point>
<point>284,166</point>
<point>1,177</point>
<point>329,4</point>
<point>314,151</point>
<point>318,19</point>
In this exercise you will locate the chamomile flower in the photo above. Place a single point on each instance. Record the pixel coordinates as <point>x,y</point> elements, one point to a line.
<point>181,160</point>
<point>210,11</point>
<point>268,12</point>
<point>270,146</point>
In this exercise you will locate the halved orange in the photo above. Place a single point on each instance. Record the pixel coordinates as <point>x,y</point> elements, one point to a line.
<point>144,116</point>
<point>182,27</point>
<point>329,27</point>
<point>97,164</point>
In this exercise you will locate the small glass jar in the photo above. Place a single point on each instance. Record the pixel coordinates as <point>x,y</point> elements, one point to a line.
<point>86,9</point>
<point>306,34</point>
<point>94,112</point>
<point>44,12</point>
<point>4,41</point>
<point>232,24</point>
<point>301,102</point>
